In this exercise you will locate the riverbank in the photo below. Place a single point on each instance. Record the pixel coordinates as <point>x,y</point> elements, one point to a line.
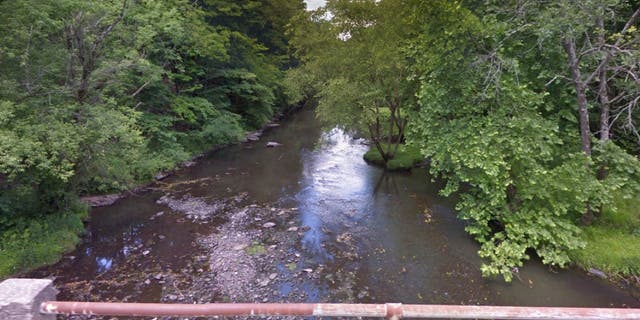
<point>612,248</point>
<point>347,220</point>
<point>406,157</point>
<point>37,242</point>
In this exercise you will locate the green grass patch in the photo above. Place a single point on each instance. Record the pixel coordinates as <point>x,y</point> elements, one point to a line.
<point>613,241</point>
<point>39,242</point>
<point>406,158</point>
<point>255,249</point>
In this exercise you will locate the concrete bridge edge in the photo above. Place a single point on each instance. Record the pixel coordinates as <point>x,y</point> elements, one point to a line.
<point>20,299</point>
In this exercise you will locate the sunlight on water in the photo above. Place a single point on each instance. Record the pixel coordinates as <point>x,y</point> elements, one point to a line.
<point>335,187</point>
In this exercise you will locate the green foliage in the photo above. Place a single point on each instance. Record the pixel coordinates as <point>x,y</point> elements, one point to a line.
<point>242,93</point>
<point>32,243</point>
<point>255,249</point>
<point>610,250</point>
<point>97,96</point>
<point>481,123</point>
<point>622,170</point>
<point>493,112</point>
<point>405,158</point>
<point>491,121</point>
<point>354,64</point>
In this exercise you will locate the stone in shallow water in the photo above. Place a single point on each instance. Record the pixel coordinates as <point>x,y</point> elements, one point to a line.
<point>597,273</point>
<point>240,246</point>
<point>101,201</point>
<point>269,225</point>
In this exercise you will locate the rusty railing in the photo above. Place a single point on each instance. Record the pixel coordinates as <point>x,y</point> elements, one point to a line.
<point>389,310</point>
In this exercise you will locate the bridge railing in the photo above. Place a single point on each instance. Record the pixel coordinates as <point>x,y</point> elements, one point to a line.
<point>33,299</point>
<point>387,310</point>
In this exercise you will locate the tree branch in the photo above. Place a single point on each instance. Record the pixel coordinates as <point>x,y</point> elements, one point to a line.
<point>109,28</point>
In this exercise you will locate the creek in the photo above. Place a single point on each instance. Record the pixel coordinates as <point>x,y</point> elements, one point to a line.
<point>308,221</point>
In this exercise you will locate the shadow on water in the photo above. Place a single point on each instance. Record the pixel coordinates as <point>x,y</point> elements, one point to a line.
<point>399,239</point>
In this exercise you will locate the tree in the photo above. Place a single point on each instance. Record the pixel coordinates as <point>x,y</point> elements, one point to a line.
<point>494,116</point>
<point>359,69</point>
<point>97,96</point>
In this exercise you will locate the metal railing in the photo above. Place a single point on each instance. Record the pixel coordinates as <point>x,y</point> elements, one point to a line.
<point>388,310</point>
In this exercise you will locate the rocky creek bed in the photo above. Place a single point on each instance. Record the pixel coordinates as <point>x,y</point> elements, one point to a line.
<point>252,253</point>
<point>305,222</point>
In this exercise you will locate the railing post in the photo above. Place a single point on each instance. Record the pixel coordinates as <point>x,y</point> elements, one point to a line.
<point>394,311</point>
<point>20,299</point>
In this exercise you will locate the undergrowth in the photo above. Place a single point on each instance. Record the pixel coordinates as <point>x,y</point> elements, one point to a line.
<point>406,158</point>
<point>37,242</point>
<point>613,241</point>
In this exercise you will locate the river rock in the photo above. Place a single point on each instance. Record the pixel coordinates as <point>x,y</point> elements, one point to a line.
<point>269,225</point>
<point>153,217</point>
<point>188,163</point>
<point>597,273</point>
<point>272,144</point>
<point>293,229</point>
<point>239,247</point>
<point>101,201</point>
<point>162,175</point>
<point>254,136</point>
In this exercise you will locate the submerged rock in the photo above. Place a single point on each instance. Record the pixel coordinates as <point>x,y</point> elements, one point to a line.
<point>254,136</point>
<point>101,201</point>
<point>597,273</point>
<point>162,175</point>
<point>196,209</point>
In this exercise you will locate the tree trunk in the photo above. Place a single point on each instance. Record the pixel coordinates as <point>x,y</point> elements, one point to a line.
<point>581,88</point>
<point>603,86</point>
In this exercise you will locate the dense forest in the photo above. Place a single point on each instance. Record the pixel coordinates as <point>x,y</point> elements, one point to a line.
<point>99,96</point>
<point>527,111</point>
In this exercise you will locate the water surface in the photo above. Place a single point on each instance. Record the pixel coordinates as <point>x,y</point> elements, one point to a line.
<point>395,254</point>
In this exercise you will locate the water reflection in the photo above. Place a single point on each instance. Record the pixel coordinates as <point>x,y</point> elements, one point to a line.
<point>336,188</point>
<point>103,264</point>
<point>348,206</point>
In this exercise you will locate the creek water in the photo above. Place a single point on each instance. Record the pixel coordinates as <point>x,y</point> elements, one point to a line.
<point>396,254</point>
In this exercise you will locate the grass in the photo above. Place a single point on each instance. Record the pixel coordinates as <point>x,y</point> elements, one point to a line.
<point>255,249</point>
<point>39,242</point>
<point>406,158</point>
<point>613,241</point>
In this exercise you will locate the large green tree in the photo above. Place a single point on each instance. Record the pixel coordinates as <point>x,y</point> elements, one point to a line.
<point>353,51</point>
<point>504,130</point>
